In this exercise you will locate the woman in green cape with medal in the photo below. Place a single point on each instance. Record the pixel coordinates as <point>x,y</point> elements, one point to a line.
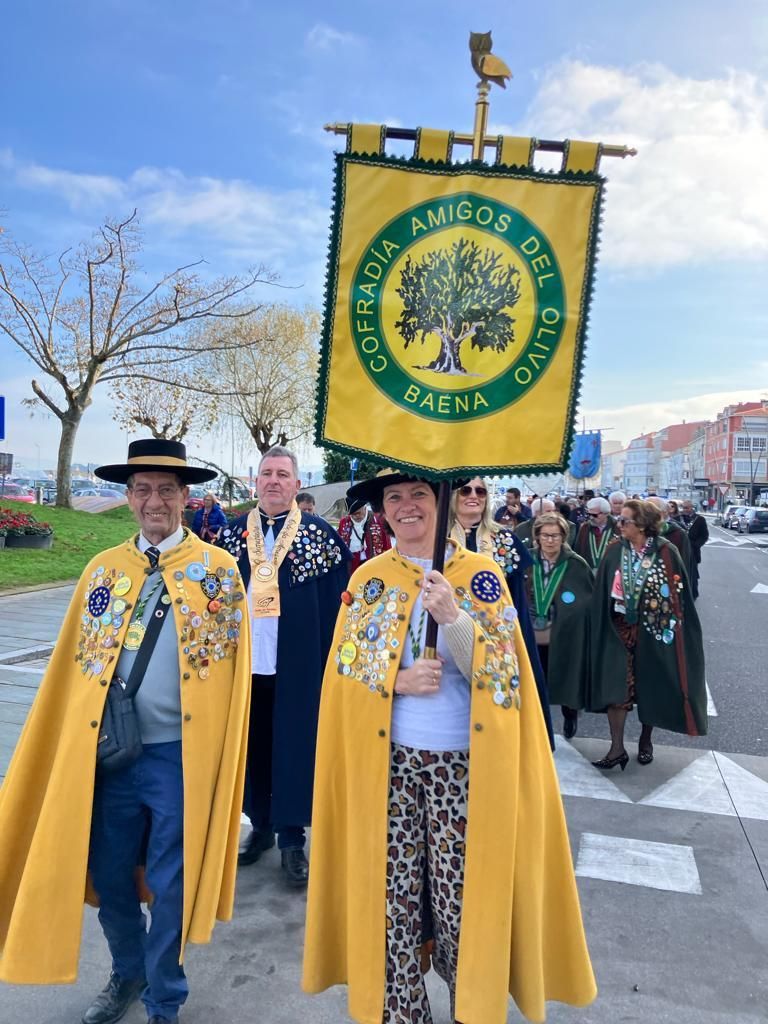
<point>559,588</point>
<point>647,647</point>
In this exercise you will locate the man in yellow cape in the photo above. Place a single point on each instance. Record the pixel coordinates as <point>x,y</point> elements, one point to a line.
<point>68,829</point>
<point>521,930</point>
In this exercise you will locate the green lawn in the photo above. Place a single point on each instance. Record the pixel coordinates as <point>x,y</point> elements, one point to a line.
<point>77,536</point>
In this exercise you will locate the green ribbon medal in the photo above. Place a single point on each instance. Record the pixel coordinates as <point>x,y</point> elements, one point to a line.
<point>544,593</point>
<point>634,572</point>
<point>597,551</point>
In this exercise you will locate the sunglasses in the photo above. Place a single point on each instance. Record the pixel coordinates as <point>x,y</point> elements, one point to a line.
<point>465,491</point>
<point>626,522</point>
<point>594,515</point>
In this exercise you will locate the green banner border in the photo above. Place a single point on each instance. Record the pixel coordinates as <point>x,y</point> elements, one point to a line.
<point>578,178</point>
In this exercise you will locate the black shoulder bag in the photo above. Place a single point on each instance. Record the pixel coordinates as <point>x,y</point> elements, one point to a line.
<point>119,742</point>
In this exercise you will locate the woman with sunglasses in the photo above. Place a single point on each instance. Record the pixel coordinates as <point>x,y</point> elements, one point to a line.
<point>647,648</point>
<point>435,788</point>
<point>472,526</point>
<point>559,588</point>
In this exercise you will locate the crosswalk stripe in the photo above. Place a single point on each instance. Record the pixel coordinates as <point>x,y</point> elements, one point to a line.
<point>665,866</point>
<point>713,784</point>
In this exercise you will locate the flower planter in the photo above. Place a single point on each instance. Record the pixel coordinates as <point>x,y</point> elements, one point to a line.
<point>29,540</point>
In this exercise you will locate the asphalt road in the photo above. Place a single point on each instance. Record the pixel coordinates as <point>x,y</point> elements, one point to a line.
<point>734,624</point>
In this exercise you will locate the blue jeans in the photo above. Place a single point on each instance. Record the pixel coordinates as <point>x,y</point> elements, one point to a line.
<point>138,817</point>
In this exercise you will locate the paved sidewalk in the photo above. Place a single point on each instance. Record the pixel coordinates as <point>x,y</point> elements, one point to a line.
<point>672,862</point>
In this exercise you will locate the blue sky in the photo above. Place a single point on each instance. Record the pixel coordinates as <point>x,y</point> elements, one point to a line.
<point>208,117</point>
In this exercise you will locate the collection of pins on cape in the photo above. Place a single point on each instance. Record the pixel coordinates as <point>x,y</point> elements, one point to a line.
<point>210,630</point>
<point>375,614</point>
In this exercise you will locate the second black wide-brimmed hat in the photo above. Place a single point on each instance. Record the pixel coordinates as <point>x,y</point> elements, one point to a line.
<point>372,491</point>
<point>155,455</point>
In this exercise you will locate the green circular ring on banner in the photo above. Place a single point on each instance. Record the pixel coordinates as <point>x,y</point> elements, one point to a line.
<point>532,248</point>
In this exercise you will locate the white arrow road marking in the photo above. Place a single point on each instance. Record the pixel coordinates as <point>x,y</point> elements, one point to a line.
<point>579,778</point>
<point>665,866</point>
<point>759,588</point>
<point>700,787</point>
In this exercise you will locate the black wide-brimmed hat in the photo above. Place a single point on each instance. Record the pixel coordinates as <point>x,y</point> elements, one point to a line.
<point>155,455</point>
<point>372,491</point>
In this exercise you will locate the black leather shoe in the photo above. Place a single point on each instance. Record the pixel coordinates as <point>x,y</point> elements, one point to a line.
<point>258,842</point>
<point>295,867</point>
<point>113,1002</point>
<point>570,725</point>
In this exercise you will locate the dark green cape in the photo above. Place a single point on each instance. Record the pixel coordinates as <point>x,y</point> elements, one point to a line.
<point>581,544</point>
<point>670,690</point>
<point>569,639</point>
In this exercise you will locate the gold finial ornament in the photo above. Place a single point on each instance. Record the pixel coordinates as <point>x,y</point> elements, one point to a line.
<point>488,67</point>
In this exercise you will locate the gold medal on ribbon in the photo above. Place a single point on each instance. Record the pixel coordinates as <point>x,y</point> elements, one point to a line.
<point>134,636</point>
<point>265,591</point>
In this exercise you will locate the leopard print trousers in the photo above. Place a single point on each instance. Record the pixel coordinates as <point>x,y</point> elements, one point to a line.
<point>425,843</point>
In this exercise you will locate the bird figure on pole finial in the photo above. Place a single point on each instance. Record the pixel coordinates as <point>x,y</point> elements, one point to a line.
<point>487,65</point>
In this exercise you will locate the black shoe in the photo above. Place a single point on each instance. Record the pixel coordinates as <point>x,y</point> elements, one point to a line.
<point>606,763</point>
<point>645,754</point>
<point>163,1020</point>
<point>570,725</point>
<point>295,867</point>
<point>113,1003</point>
<point>257,843</point>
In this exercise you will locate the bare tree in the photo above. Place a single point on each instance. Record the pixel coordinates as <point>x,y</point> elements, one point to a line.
<point>167,410</point>
<point>85,318</point>
<point>267,362</point>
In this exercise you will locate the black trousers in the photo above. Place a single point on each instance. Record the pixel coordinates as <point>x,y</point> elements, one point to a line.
<point>258,768</point>
<point>259,760</point>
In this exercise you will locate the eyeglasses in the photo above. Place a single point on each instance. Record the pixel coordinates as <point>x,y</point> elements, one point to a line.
<point>166,491</point>
<point>465,491</point>
<point>550,536</point>
<point>594,515</point>
<point>626,522</point>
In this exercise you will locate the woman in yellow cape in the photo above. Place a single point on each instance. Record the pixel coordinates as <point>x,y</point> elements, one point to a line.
<point>477,815</point>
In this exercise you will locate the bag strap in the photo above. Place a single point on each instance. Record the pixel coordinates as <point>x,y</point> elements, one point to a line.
<point>147,645</point>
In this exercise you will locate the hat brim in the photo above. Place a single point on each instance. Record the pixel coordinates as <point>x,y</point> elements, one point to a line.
<point>372,491</point>
<point>120,474</point>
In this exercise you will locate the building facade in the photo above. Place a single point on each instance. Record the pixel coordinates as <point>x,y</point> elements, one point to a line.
<point>736,453</point>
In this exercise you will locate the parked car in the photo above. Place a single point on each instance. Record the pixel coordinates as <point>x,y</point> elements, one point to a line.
<point>16,493</point>
<point>733,522</point>
<point>729,513</point>
<point>196,497</point>
<point>98,492</point>
<point>754,520</point>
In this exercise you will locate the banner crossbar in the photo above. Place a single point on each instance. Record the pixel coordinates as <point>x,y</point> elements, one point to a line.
<point>468,139</point>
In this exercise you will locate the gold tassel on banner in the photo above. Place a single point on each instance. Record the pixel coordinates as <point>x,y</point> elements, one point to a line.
<point>366,138</point>
<point>433,145</point>
<point>514,151</point>
<point>581,156</point>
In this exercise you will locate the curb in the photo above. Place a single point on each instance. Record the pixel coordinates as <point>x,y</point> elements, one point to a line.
<point>37,586</point>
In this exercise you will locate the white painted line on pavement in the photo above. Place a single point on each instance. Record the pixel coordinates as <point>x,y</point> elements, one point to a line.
<point>664,866</point>
<point>22,668</point>
<point>579,778</point>
<point>699,787</point>
<point>748,792</point>
<point>759,588</point>
<point>711,709</point>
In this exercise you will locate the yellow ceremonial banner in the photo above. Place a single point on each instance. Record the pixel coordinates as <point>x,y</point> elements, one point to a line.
<point>455,314</point>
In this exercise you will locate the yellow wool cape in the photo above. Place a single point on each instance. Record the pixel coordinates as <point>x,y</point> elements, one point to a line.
<point>46,800</point>
<point>521,928</point>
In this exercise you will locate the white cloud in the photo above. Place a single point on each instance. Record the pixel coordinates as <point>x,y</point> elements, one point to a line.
<point>324,37</point>
<point>630,421</point>
<point>283,229</point>
<point>696,190</point>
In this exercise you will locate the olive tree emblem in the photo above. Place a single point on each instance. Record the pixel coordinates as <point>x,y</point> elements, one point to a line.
<point>459,293</point>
